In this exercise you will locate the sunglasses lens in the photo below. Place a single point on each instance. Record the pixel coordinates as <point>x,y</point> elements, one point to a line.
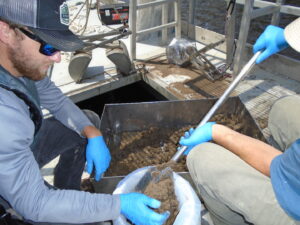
<point>48,50</point>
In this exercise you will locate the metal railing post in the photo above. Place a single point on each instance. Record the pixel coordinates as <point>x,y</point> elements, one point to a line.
<point>177,7</point>
<point>134,7</point>
<point>164,20</point>
<point>192,7</point>
<point>132,27</point>
<point>243,34</point>
<point>276,16</point>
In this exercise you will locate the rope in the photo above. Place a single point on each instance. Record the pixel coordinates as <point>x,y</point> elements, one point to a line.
<point>88,4</point>
<point>76,14</point>
<point>87,15</point>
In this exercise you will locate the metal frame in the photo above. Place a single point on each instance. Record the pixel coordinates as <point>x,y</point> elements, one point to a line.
<point>252,9</point>
<point>264,8</point>
<point>164,27</point>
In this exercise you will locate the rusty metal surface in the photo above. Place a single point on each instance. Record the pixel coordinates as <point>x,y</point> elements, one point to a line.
<point>184,83</point>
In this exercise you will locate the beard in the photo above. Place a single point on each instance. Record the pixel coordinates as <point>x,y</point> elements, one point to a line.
<point>25,65</point>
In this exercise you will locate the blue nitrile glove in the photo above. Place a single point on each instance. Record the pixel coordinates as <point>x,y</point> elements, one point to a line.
<point>137,208</point>
<point>97,155</point>
<point>271,41</point>
<point>198,136</point>
<point>187,134</point>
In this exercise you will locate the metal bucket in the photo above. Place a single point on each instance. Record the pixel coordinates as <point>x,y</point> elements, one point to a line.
<point>119,118</point>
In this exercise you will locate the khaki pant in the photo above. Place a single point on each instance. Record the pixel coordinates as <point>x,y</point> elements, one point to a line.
<point>234,192</point>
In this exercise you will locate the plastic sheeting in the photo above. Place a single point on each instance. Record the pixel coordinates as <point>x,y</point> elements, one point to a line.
<point>179,51</point>
<point>189,203</point>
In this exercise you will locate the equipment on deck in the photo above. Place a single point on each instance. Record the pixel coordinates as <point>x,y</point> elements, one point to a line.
<point>109,12</point>
<point>116,52</point>
<point>114,13</point>
<point>78,65</point>
<point>183,53</point>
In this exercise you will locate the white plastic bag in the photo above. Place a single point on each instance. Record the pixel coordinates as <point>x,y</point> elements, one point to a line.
<point>189,203</point>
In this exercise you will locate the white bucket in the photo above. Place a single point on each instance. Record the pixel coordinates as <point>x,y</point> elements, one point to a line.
<point>189,203</point>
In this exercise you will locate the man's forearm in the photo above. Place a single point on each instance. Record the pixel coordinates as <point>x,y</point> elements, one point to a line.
<point>254,152</point>
<point>90,132</point>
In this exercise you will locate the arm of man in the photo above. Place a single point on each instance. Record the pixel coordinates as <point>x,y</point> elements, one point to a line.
<point>22,185</point>
<point>63,109</point>
<point>254,152</point>
<point>274,39</point>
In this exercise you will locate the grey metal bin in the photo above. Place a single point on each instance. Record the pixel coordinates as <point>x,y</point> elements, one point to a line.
<point>119,118</point>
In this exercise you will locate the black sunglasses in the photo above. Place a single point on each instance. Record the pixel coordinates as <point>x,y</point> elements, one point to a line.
<point>45,49</point>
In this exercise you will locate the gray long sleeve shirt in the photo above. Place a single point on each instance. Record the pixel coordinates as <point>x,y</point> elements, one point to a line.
<point>21,183</point>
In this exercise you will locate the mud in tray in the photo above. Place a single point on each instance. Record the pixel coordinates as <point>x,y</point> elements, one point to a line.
<point>143,134</point>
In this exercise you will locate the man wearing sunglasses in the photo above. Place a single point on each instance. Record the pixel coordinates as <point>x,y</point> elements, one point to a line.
<point>32,34</point>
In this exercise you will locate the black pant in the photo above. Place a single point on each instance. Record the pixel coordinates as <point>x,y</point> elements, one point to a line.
<point>55,139</point>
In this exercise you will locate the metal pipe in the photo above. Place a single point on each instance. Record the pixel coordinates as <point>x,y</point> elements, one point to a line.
<point>132,27</point>
<point>177,8</point>
<point>157,28</point>
<point>287,9</point>
<point>154,3</point>
<point>90,45</point>
<point>192,8</point>
<point>246,69</point>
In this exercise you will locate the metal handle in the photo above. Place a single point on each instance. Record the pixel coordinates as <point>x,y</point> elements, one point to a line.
<point>221,100</point>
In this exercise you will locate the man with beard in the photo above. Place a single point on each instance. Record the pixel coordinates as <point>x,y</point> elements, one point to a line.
<point>243,180</point>
<point>32,34</point>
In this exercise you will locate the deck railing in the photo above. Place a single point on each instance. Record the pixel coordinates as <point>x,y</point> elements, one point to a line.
<point>252,10</point>
<point>134,7</point>
<point>234,48</point>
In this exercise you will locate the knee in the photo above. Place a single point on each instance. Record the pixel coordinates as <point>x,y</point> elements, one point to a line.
<point>198,152</point>
<point>287,100</point>
<point>282,108</point>
<point>208,160</point>
<point>203,158</point>
<point>93,117</point>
